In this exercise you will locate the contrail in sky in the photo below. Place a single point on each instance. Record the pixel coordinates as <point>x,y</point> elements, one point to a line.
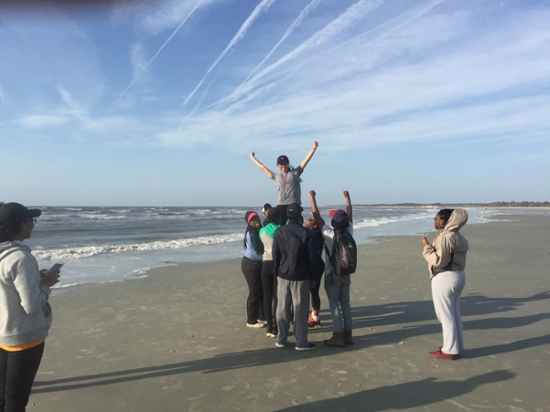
<point>295,23</point>
<point>260,8</point>
<point>319,38</point>
<point>353,13</point>
<point>156,54</point>
<point>350,16</point>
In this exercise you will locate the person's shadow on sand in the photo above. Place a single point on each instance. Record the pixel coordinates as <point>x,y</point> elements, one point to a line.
<point>407,313</point>
<point>247,359</point>
<point>218,363</point>
<point>406,395</point>
<point>417,311</point>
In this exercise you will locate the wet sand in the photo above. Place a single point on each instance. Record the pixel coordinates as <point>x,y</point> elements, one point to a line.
<point>177,341</point>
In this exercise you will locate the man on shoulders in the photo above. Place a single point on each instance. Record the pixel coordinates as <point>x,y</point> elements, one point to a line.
<point>296,263</point>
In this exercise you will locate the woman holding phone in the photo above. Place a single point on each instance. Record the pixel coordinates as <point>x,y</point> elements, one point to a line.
<point>446,258</point>
<point>25,315</point>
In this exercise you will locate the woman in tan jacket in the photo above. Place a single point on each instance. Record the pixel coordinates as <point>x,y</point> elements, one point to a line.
<point>446,258</point>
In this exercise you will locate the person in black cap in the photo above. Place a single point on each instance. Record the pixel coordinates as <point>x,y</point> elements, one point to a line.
<point>288,179</point>
<point>296,263</point>
<point>25,315</point>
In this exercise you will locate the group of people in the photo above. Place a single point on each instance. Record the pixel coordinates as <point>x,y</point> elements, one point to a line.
<point>283,266</point>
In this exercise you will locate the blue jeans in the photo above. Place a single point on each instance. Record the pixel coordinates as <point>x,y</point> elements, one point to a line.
<point>337,288</point>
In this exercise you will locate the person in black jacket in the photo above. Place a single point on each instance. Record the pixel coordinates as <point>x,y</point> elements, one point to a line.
<point>296,263</point>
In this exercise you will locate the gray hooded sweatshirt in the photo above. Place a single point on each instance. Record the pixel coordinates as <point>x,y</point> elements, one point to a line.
<point>448,251</point>
<point>25,315</point>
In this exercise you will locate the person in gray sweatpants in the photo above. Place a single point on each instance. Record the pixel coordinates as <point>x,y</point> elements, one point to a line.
<point>296,263</point>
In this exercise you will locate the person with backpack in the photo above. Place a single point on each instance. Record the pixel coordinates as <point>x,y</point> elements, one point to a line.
<point>288,179</point>
<point>340,262</point>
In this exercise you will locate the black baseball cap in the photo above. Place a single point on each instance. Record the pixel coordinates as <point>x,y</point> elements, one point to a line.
<point>15,213</point>
<point>282,160</point>
<point>294,211</point>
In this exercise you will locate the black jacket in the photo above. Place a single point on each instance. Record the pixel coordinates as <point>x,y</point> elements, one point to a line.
<point>295,255</point>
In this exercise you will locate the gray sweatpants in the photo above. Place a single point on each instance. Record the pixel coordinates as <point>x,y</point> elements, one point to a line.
<point>293,292</point>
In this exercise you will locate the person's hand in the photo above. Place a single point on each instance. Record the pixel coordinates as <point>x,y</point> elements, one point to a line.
<point>43,272</point>
<point>424,241</point>
<point>49,278</point>
<point>315,145</point>
<point>346,194</point>
<point>312,193</point>
<point>312,283</point>
<point>252,155</point>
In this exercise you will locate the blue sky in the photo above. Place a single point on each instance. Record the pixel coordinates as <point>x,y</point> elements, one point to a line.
<point>161,102</point>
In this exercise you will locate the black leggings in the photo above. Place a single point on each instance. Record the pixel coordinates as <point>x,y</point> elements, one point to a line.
<point>17,373</point>
<point>315,298</point>
<point>252,271</point>
<point>284,217</point>
<point>269,281</point>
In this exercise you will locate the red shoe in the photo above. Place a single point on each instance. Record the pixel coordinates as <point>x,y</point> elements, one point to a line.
<point>442,355</point>
<point>313,323</point>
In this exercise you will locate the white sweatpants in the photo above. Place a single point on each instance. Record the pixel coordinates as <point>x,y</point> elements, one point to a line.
<point>446,290</point>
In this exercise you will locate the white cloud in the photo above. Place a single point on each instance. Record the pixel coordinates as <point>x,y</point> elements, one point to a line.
<point>42,121</point>
<point>435,77</point>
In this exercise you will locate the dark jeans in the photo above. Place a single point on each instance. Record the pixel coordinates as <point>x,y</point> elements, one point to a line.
<point>17,373</point>
<point>269,281</point>
<point>252,271</point>
<point>283,209</point>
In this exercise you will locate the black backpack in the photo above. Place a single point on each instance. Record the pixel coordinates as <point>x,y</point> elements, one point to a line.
<point>344,253</point>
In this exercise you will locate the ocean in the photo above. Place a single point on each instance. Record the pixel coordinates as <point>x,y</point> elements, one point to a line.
<point>105,244</point>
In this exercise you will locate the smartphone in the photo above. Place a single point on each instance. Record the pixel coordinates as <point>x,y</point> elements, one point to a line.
<point>55,267</point>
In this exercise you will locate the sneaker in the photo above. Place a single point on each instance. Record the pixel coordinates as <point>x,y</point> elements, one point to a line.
<point>262,321</point>
<point>271,335</point>
<point>280,345</point>
<point>255,325</point>
<point>310,346</point>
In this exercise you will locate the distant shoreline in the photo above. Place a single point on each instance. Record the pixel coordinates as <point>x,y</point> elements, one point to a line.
<point>517,206</point>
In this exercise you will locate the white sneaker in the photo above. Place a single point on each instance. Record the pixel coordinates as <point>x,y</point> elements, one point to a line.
<point>280,345</point>
<point>255,325</point>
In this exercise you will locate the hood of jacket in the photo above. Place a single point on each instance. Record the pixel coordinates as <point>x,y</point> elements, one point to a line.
<point>458,218</point>
<point>270,229</point>
<point>7,248</point>
<point>450,232</point>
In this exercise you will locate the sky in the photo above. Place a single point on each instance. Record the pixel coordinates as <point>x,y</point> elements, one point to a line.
<point>160,103</point>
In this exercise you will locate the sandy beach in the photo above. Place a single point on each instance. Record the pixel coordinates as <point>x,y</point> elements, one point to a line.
<point>176,340</point>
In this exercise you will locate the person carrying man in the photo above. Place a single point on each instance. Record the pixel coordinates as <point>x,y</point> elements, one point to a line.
<point>296,263</point>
